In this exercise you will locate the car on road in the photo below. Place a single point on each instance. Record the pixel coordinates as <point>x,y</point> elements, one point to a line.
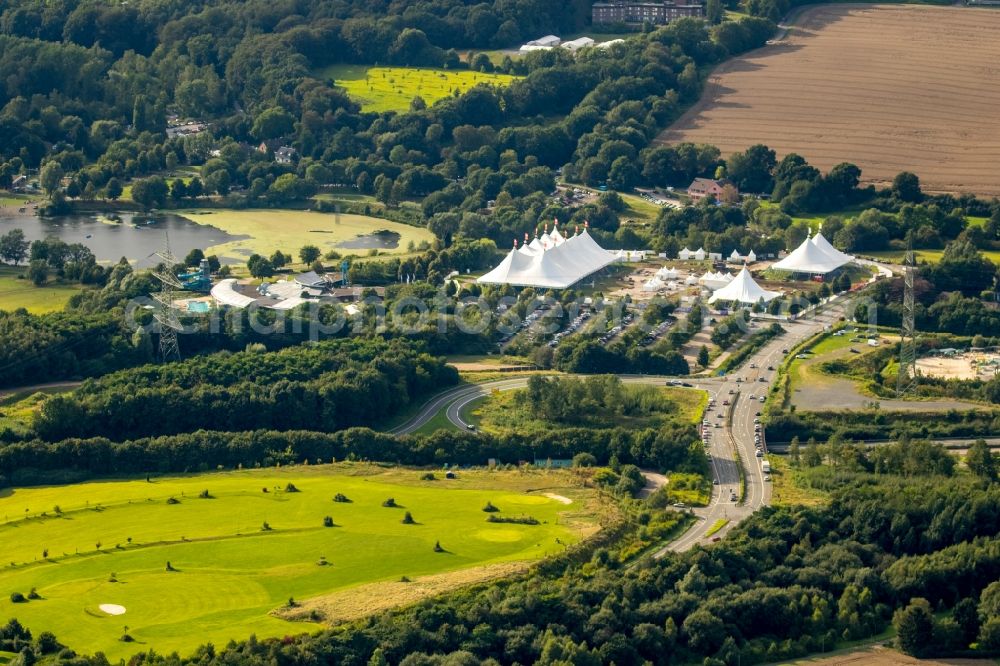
<point>767,477</point>
<point>725,402</point>
<point>470,426</point>
<point>759,453</point>
<point>753,397</point>
<point>756,413</point>
<point>784,351</point>
<point>770,367</point>
<point>763,399</point>
<point>753,365</point>
<point>731,392</point>
<point>718,425</point>
<point>675,382</point>
<point>687,384</point>
<point>715,482</point>
<point>680,505</point>
<point>762,379</point>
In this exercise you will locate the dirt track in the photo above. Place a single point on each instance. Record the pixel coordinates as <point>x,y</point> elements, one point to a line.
<point>887,87</point>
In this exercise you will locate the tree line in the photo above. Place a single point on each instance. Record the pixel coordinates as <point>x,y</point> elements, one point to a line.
<point>327,386</point>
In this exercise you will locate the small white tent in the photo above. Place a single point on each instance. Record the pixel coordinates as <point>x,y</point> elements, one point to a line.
<point>743,289</point>
<point>751,257</point>
<point>684,254</point>
<point>699,254</point>
<point>654,284</point>
<point>734,256</point>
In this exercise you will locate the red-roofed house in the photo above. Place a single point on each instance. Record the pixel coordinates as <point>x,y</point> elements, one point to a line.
<point>703,187</point>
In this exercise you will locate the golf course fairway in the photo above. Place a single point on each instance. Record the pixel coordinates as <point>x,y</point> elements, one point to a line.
<point>241,544</point>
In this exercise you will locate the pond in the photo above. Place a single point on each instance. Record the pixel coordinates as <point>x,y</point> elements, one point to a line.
<point>137,237</point>
<point>377,240</point>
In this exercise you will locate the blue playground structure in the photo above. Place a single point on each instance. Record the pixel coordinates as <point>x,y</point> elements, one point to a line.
<point>199,280</point>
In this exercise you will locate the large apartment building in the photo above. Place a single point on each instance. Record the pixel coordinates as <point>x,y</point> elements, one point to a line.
<point>657,13</point>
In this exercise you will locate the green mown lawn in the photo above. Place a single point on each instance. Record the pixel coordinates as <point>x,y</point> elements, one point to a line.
<point>109,542</point>
<point>393,88</point>
<point>19,293</point>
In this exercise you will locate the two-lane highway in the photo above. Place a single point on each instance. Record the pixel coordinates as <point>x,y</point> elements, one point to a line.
<point>730,447</point>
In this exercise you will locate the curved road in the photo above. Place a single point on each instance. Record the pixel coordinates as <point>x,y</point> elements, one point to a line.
<point>730,445</point>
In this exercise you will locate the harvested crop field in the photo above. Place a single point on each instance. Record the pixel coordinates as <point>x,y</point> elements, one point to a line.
<point>887,87</point>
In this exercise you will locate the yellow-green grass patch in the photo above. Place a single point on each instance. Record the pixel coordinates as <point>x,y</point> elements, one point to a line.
<point>289,230</point>
<point>929,256</point>
<point>16,292</point>
<point>787,487</point>
<point>230,574</point>
<point>380,89</point>
<point>716,526</point>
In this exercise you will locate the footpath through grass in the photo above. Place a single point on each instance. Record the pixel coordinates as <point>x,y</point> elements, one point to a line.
<point>109,542</point>
<point>393,88</point>
<point>16,292</point>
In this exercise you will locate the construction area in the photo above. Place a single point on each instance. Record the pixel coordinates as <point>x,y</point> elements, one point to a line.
<point>960,365</point>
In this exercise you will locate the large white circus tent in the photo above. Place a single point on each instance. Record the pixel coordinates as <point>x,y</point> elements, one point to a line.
<point>814,255</point>
<point>743,289</point>
<point>823,244</point>
<point>551,261</point>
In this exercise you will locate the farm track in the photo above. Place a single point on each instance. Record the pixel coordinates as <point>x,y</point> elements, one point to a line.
<point>887,87</point>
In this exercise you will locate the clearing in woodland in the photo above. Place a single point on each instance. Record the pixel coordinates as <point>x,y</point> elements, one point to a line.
<point>887,87</point>
<point>393,88</point>
<point>203,558</point>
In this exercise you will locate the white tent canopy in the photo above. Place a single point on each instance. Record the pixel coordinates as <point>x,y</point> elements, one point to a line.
<point>684,254</point>
<point>559,263</point>
<point>654,284</point>
<point>734,256</point>
<point>743,289</point>
<point>666,273</point>
<point>824,245</point>
<point>813,257</point>
<point>751,257</point>
<point>699,254</point>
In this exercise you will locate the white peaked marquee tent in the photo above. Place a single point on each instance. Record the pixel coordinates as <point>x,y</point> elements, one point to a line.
<point>550,261</point>
<point>743,289</point>
<point>814,255</point>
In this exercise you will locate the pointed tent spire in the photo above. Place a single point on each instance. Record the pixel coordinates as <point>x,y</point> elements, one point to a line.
<point>515,243</point>
<point>546,227</point>
<point>576,230</point>
<point>525,236</point>
<point>586,224</point>
<point>555,222</point>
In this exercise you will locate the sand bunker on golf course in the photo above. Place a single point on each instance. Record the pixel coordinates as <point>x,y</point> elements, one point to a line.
<point>112,609</point>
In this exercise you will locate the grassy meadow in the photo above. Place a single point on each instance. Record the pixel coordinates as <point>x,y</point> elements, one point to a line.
<point>265,231</point>
<point>20,293</point>
<point>380,89</point>
<point>503,410</point>
<point>928,256</point>
<point>109,542</point>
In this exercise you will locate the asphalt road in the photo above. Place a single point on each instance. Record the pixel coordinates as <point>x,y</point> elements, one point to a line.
<point>729,446</point>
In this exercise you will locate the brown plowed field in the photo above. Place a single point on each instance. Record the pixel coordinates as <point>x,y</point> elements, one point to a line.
<point>887,87</point>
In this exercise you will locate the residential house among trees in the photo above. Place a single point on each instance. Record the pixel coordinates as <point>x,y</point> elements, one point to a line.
<point>704,187</point>
<point>284,155</point>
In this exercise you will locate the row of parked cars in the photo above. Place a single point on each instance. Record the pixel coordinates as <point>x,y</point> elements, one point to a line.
<point>573,327</point>
<point>655,334</point>
<point>626,320</point>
